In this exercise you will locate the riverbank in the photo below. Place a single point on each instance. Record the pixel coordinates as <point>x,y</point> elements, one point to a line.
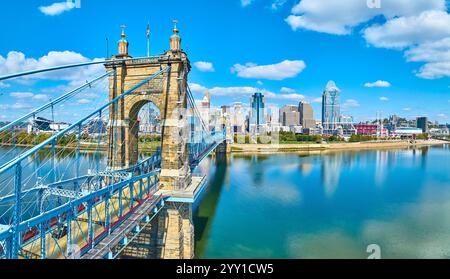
<point>90,147</point>
<point>288,148</point>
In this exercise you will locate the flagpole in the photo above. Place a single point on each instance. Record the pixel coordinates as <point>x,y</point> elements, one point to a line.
<point>148,40</point>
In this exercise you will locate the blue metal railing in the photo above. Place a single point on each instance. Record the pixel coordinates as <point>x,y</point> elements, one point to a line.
<point>16,165</point>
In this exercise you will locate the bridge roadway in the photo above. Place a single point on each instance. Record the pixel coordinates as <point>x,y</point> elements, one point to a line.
<point>56,248</point>
<point>104,239</point>
<point>144,215</point>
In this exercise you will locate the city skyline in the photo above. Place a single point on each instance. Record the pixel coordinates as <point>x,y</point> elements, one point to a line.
<point>278,51</point>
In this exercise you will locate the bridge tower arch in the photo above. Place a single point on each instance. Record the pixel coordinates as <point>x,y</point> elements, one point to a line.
<point>168,93</point>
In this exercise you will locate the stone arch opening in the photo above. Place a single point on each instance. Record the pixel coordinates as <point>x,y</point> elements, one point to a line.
<point>145,130</point>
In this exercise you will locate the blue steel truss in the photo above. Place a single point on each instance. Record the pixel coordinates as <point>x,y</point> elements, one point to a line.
<point>96,203</point>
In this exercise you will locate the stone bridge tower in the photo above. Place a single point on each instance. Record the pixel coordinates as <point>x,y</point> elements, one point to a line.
<point>168,93</point>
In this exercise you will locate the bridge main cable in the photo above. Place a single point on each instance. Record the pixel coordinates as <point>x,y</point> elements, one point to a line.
<point>54,102</point>
<point>35,149</point>
<point>62,67</point>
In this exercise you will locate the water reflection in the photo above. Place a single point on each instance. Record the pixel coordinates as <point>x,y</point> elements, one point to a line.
<point>206,211</point>
<point>330,205</point>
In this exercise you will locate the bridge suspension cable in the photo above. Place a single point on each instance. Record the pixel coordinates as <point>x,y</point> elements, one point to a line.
<point>62,67</point>
<point>38,119</point>
<point>31,225</point>
<point>54,102</point>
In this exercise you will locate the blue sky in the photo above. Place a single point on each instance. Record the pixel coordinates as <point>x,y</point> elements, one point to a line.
<point>287,49</point>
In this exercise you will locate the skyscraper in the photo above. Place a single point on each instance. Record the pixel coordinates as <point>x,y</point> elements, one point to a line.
<point>331,109</point>
<point>306,115</point>
<point>257,106</point>
<point>422,123</point>
<point>289,116</point>
<point>205,107</point>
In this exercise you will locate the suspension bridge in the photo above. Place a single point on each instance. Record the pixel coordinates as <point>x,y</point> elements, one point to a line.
<point>86,190</point>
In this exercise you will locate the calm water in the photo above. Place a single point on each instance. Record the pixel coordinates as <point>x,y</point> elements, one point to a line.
<point>330,205</point>
<point>327,206</point>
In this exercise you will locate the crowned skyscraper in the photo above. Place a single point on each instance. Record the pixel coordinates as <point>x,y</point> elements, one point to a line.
<point>331,108</point>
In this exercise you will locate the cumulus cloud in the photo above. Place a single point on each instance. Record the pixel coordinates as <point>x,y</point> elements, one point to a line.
<point>350,103</point>
<point>21,95</point>
<point>384,99</point>
<point>41,97</point>
<point>57,8</point>
<point>29,96</point>
<point>277,4</point>
<point>204,66</point>
<point>378,83</point>
<point>20,105</point>
<point>245,3</point>
<point>84,101</point>
<point>287,90</point>
<point>340,17</point>
<point>317,100</point>
<point>420,28</point>
<point>425,38</point>
<point>291,97</point>
<point>244,91</point>
<point>197,88</point>
<point>16,62</point>
<point>280,71</point>
<point>403,32</point>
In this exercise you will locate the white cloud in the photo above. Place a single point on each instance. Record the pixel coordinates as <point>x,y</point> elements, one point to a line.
<point>436,56</point>
<point>245,3</point>
<point>283,70</point>
<point>420,27</point>
<point>261,83</point>
<point>287,90</point>
<point>406,109</point>
<point>243,91</point>
<point>21,95</point>
<point>16,62</point>
<point>442,115</point>
<point>30,96</point>
<point>57,8</point>
<point>403,32</point>
<point>425,38</point>
<point>317,100</point>
<point>340,17</point>
<point>19,105</point>
<point>350,103</point>
<point>41,97</point>
<point>292,97</point>
<point>204,66</point>
<point>277,4</point>
<point>197,88</point>
<point>84,101</point>
<point>4,85</point>
<point>384,99</point>
<point>227,91</point>
<point>378,83</point>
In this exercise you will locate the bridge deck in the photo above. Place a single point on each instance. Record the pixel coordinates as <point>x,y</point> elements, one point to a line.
<point>120,233</point>
<point>188,195</point>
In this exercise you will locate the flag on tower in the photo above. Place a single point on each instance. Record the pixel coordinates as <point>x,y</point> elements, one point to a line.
<point>148,39</point>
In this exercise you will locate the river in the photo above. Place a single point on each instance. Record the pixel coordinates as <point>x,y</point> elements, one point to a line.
<point>329,205</point>
<point>323,205</point>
